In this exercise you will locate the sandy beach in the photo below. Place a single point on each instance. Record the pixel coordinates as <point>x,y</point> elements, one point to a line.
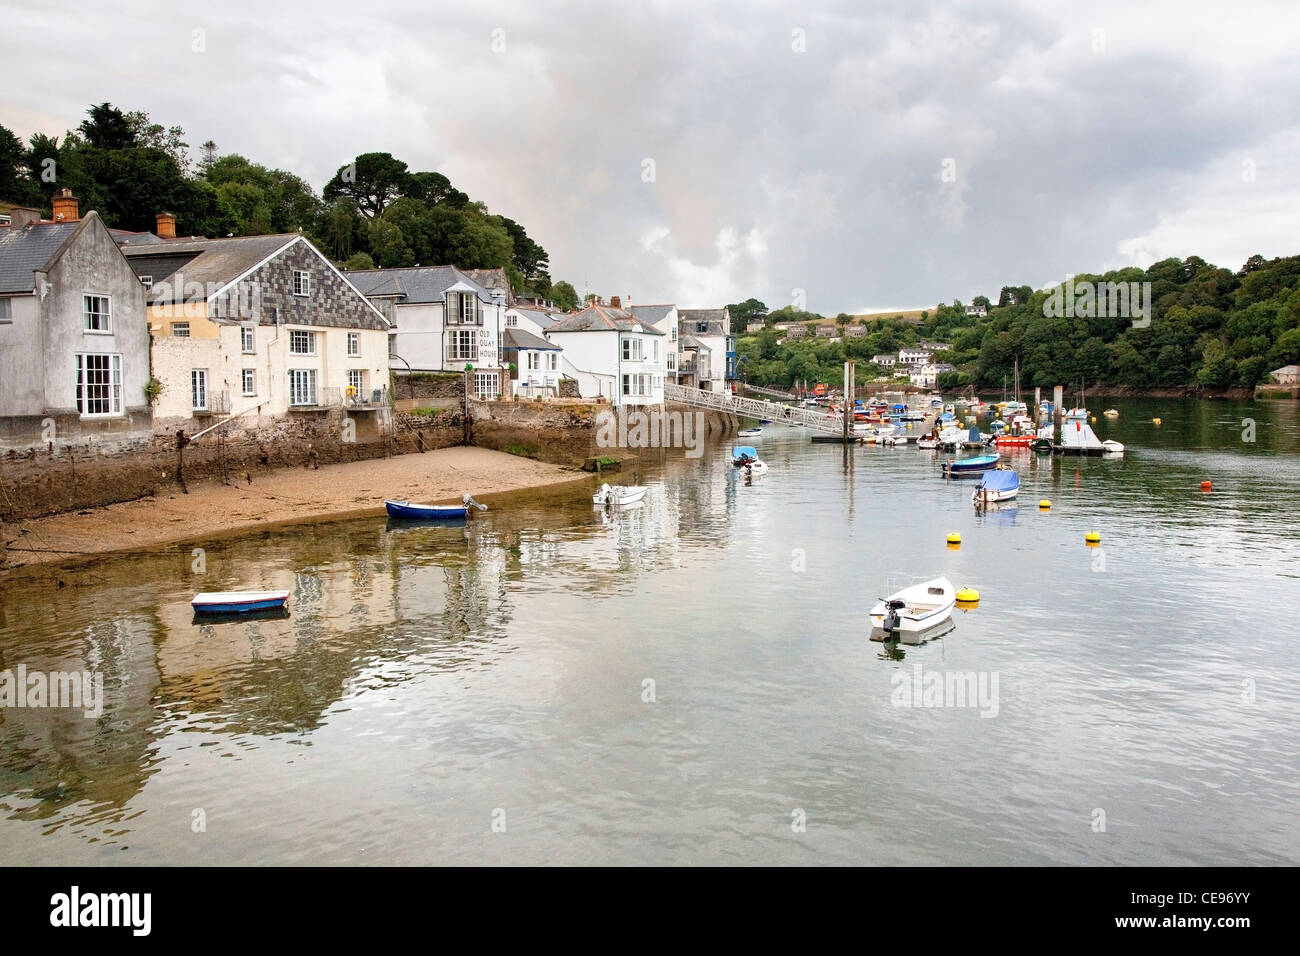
<point>354,489</point>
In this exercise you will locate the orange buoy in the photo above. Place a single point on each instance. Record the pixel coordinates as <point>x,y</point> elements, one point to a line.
<point>1207,486</point>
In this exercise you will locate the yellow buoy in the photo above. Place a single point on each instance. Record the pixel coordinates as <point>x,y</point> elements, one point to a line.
<point>1155,421</point>
<point>1092,537</point>
<point>954,538</point>
<point>1045,504</point>
<point>968,596</point>
<point>1093,419</point>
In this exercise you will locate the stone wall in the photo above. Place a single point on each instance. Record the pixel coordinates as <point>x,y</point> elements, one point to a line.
<point>37,483</point>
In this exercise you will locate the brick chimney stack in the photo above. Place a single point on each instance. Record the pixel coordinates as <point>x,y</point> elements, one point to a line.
<point>65,207</point>
<point>615,302</point>
<point>166,226</point>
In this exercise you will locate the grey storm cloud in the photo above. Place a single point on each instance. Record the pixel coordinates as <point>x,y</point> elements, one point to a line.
<point>871,155</point>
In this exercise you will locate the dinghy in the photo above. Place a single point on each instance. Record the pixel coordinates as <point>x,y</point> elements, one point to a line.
<point>1111,447</point>
<point>914,611</point>
<point>970,466</point>
<point>413,512</point>
<point>996,485</point>
<point>749,433</point>
<point>618,494</point>
<point>927,443</point>
<point>238,602</point>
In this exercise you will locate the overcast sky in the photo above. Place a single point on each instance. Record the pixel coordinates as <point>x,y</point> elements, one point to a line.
<point>873,155</point>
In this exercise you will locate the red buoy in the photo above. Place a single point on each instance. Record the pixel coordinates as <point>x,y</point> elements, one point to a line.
<point>1207,486</point>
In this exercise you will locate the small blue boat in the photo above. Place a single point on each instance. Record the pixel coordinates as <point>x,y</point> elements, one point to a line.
<point>412,512</point>
<point>740,454</point>
<point>970,466</point>
<point>238,602</point>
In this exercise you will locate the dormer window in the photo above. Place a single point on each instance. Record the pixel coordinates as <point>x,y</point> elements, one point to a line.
<point>147,281</point>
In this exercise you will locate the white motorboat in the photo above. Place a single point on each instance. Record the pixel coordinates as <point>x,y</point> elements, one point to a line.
<point>749,433</point>
<point>618,494</point>
<point>909,614</point>
<point>1111,447</point>
<point>927,443</point>
<point>752,469</point>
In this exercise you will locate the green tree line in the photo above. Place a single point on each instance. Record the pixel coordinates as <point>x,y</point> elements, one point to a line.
<point>374,211</point>
<point>1209,327</point>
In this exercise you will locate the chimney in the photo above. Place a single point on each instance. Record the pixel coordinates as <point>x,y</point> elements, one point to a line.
<point>65,207</point>
<point>20,216</point>
<point>166,226</point>
<point>615,302</point>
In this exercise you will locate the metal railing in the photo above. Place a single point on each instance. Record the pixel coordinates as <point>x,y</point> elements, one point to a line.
<point>829,421</point>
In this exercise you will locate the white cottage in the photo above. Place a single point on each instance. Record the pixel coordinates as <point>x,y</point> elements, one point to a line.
<point>256,326</point>
<point>74,346</point>
<point>613,355</point>
<point>442,321</point>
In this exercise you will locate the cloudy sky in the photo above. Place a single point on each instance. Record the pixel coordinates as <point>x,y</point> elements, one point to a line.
<point>869,154</point>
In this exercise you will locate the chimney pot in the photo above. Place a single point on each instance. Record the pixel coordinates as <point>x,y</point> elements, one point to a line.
<point>64,207</point>
<point>166,225</point>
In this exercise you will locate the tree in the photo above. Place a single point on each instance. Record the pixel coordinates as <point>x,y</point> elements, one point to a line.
<point>359,260</point>
<point>107,128</point>
<point>207,156</point>
<point>564,296</point>
<point>372,181</point>
<point>15,186</point>
<point>742,313</point>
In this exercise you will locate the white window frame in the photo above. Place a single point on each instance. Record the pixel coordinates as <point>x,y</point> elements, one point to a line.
<point>534,362</point>
<point>199,390</point>
<point>475,313</point>
<point>354,344</point>
<point>6,310</point>
<point>86,313</point>
<point>247,340</point>
<point>302,384</point>
<point>480,380</point>
<point>512,321</point>
<point>180,330</point>
<point>632,351</point>
<point>301,283</point>
<point>454,351</point>
<point>311,341</point>
<point>248,382</point>
<point>654,351</point>
<point>357,380</point>
<point>553,361</point>
<point>146,281</point>
<point>113,385</point>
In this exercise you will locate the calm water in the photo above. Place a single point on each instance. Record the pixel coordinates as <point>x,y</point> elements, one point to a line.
<point>432,682</point>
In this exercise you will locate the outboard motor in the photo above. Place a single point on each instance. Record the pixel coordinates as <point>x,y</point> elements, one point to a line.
<point>469,502</point>
<point>892,619</point>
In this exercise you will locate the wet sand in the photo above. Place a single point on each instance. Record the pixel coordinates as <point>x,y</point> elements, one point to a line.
<point>212,509</point>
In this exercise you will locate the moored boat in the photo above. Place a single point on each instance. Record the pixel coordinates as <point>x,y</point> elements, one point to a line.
<point>238,602</point>
<point>1111,447</point>
<point>969,466</point>
<point>618,494</point>
<point>416,512</point>
<point>908,614</point>
<point>1000,484</point>
<point>749,433</point>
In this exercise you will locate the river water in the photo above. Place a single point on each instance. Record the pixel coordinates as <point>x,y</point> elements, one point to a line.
<point>691,681</point>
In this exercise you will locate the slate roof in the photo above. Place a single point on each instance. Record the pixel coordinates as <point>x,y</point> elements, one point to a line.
<point>523,339</point>
<point>23,251</point>
<point>216,261</point>
<point>543,319</point>
<point>415,285</point>
<point>602,318</point>
<point>652,313</point>
<point>716,318</point>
